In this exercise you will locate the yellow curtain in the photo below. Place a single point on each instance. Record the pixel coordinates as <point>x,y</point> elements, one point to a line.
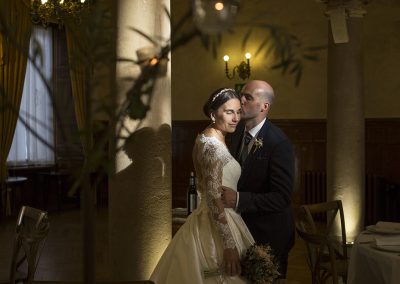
<point>15,35</point>
<point>80,72</point>
<point>2,55</point>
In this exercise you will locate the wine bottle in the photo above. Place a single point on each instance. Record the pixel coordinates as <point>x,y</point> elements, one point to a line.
<point>191,194</point>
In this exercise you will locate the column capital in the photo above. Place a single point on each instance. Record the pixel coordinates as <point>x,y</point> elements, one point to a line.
<point>338,11</point>
<point>352,8</point>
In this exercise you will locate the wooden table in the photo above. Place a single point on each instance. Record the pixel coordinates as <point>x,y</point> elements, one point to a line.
<point>11,195</point>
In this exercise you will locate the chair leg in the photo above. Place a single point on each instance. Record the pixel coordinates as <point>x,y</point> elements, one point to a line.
<point>13,268</point>
<point>21,261</point>
<point>31,259</point>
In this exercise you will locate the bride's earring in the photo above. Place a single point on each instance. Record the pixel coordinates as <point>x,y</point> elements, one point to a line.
<point>213,119</point>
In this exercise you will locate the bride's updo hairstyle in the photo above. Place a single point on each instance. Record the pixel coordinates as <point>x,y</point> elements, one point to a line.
<point>217,99</point>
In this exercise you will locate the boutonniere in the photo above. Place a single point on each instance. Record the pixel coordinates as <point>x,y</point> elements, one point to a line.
<point>258,143</point>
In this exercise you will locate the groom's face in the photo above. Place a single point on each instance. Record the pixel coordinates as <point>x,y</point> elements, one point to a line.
<point>251,104</point>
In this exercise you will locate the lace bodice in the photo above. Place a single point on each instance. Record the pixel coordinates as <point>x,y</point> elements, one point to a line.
<point>215,167</point>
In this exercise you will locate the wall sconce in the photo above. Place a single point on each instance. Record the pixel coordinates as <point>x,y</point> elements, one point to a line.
<point>243,69</point>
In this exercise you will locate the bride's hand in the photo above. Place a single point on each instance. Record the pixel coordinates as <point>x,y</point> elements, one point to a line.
<point>231,262</point>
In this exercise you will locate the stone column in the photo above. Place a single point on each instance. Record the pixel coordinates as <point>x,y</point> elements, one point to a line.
<point>140,222</point>
<point>345,112</point>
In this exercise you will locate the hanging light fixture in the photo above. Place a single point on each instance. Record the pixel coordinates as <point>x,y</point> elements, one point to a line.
<point>45,12</point>
<point>214,16</point>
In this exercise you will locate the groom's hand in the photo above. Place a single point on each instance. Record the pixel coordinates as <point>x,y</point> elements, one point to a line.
<point>228,197</point>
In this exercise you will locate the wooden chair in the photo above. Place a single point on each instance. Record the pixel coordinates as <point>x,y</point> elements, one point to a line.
<point>326,253</point>
<point>31,230</point>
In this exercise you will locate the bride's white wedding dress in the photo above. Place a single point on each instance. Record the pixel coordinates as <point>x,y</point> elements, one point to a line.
<point>199,243</point>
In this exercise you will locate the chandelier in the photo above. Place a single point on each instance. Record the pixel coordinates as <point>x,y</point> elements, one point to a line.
<point>214,16</point>
<point>45,12</point>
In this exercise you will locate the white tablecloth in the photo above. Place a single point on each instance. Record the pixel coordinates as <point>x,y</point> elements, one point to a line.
<point>369,265</point>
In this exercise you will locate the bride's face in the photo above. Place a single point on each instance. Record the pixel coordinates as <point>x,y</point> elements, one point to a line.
<point>227,116</point>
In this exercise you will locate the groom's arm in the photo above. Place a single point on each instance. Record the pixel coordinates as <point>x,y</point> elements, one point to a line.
<point>229,197</point>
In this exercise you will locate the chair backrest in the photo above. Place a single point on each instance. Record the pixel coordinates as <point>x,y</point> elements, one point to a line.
<point>31,230</point>
<point>325,249</point>
<point>333,210</point>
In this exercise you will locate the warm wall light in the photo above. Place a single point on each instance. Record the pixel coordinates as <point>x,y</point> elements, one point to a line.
<point>242,70</point>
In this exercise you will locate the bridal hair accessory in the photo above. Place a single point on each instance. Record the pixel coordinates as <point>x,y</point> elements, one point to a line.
<point>221,92</point>
<point>258,143</point>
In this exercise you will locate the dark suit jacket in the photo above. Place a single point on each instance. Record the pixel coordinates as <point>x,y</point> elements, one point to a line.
<point>265,187</point>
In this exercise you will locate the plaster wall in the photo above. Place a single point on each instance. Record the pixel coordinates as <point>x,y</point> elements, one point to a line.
<point>196,73</point>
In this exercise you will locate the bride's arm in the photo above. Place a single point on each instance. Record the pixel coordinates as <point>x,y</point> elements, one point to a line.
<point>213,198</point>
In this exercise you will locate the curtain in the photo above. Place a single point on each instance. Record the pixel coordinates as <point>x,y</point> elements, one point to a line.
<point>80,78</point>
<point>15,30</point>
<point>36,111</point>
<point>1,49</point>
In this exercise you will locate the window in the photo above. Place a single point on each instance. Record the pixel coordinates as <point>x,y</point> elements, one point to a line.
<point>36,111</point>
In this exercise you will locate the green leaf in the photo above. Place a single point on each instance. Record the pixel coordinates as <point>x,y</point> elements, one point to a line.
<point>295,67</point>
<point>317,47</point>
<point>167,12</point>
<point>262,45</point>
<point>277,66</point>
<point>246,38</point>
<point>205,41</point>
<point>298,76</point>
<point>137,109</point>
<point>127,60</point>
<point>310,57</point>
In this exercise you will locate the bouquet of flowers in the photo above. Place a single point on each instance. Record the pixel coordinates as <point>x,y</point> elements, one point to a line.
<point>259,265</point>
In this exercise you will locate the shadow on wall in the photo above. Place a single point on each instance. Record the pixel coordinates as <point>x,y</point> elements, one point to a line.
<point>140,204</point>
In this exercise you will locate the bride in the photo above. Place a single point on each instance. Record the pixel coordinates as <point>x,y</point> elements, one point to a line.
<point>212,237</point>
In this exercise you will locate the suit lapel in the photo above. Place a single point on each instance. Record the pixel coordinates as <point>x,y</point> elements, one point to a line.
<point>248,164</point>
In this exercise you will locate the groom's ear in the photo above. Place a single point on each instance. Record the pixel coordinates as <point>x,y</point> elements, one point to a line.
<point>265,107</point>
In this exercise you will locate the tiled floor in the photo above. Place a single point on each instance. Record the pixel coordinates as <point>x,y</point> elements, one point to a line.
<point>62,253</point>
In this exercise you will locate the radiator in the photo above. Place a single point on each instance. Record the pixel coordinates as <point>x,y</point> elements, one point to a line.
<point>372,183</point>
<point>315,190</point>
<point>314,184</point>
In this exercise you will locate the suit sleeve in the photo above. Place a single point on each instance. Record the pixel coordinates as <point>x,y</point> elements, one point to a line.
<point>280,180</point>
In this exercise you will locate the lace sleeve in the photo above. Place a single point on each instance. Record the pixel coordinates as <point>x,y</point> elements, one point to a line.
<point>213,179</point>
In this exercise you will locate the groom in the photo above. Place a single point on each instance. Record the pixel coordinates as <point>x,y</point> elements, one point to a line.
<point>265,186</point>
